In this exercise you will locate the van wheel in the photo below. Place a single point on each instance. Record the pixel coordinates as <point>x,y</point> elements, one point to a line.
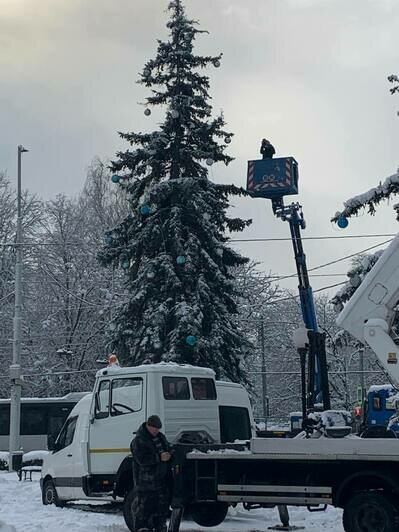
<point>370,512</point>
<point>209,513</point>
<point>128,510</point>
<point>50,495</point>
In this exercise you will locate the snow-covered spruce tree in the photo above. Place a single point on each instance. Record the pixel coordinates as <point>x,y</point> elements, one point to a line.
<point>181,299</point>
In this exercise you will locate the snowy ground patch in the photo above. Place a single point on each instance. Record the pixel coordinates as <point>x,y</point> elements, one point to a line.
<point>21,510</point>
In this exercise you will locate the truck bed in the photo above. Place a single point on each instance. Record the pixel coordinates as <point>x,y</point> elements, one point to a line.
<point>300,472</point>
<point>325,449</point>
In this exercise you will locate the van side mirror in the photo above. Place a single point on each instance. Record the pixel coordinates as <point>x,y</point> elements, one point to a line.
<point>100,415</point>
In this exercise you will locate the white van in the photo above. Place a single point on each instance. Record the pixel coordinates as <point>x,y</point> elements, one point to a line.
<point>91,456</point>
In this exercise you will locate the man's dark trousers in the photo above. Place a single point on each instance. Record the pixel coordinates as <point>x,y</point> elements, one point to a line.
<point>150,509</point>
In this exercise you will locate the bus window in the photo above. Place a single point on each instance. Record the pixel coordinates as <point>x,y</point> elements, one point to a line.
<point>33,419</point>
<point>4,420</point>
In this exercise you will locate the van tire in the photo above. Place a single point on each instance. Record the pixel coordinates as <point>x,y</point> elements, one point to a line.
<point>50,495</point>
<point>127,510</point>
<point>367,508</point>
<point>208,513</point>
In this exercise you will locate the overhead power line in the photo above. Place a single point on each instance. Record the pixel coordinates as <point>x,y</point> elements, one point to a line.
<point>288,239</point>
<point>267,239</point>
<point>335,261</point>
<point>297,295</point>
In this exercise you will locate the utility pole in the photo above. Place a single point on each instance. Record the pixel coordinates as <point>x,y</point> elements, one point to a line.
<point>263,369</point>
<point>15,368</point>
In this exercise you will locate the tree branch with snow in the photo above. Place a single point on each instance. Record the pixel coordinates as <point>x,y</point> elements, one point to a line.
<point>370,199</point>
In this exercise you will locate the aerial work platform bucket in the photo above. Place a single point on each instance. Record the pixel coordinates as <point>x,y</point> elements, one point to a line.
<point>271,178</point>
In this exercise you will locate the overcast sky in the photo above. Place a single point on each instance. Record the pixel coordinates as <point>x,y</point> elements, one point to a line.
<point>310,75</point>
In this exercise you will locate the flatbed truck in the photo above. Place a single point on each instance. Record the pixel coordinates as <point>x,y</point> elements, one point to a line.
<point>359,475</point>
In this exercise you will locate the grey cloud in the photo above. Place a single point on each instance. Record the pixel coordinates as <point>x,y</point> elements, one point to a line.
<point>311,74</point>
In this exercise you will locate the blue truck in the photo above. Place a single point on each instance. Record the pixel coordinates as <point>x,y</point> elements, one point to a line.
<point>379,413</point>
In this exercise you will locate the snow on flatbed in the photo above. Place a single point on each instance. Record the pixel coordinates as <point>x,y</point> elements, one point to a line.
<point>21,510</point>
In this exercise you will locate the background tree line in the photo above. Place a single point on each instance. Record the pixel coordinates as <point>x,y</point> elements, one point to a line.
<point>69,301</point>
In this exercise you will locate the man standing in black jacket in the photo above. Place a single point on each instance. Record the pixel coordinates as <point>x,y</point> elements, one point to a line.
<point>267,150</point>
<point>151,472</point>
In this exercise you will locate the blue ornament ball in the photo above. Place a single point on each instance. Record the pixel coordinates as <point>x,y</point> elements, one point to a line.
<point>342,222</point>
<point>145,209</point>
<point>191,340</point>
<point>108,239</point>
<point>181,259</point>
<point>125,264</point>
<point>115,178</point>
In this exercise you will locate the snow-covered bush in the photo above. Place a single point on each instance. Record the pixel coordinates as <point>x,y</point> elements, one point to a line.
<point>4,461</point>
<point>361,265</point>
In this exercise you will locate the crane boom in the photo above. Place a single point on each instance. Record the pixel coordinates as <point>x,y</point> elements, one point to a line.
<point>370,313</point>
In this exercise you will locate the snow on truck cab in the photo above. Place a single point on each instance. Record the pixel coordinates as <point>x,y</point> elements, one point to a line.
<point>91,456</point>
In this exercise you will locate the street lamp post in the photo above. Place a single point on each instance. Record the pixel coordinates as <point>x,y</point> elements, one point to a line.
<point>263,367</point>
<point>15,368</point>
<point>301,342</point>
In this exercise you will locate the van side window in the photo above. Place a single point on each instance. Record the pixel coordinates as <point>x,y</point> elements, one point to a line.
<point>127,395</point>
<point>102,406</point>
<point>67,433</point>
<point>175,388</point>
<point>203,388</point>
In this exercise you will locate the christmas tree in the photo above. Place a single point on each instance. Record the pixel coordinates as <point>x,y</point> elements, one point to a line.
<point>181,298</point>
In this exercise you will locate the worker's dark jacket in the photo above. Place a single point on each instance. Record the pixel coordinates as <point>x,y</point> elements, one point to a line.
<point>267,151</point>
<point>149,472</point>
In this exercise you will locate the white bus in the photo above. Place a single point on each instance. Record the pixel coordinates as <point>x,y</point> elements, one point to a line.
<point>40,417</point>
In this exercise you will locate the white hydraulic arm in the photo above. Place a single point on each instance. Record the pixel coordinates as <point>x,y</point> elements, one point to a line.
<point>370,312</point>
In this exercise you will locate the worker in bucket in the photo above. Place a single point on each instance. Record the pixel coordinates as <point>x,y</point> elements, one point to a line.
<point>151,454</point>
<point>267,150</point>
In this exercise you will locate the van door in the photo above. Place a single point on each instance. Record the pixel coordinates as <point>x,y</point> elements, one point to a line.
<point>119,410</point>
<point>63,461</point>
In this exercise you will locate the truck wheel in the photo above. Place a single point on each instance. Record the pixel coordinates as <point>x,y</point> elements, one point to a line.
<point>370,512</point>
<point>209,513</point>
<point>50,495</point>
<point>128,510</point>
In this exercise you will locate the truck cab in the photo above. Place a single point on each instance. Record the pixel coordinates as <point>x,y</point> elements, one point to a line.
<point>91,456</point>
<point>378,410</point>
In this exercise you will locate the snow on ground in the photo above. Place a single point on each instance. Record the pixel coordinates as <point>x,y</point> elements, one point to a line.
<point>21,510</point>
